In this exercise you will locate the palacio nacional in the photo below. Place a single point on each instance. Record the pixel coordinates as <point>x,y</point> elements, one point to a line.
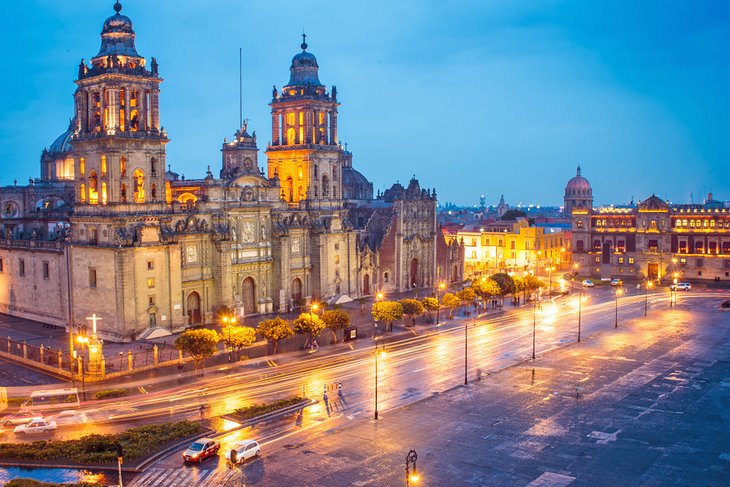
<point>108,228</point>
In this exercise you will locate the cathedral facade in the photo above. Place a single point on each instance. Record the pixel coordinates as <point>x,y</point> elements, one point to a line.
<point>109,229</point>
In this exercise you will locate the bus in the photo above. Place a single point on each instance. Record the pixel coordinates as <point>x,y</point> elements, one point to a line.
<point>53,399</point>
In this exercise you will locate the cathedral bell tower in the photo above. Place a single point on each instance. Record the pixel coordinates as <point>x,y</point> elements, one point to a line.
<point>304,152</point>
<point>118,144</point>
<point>240,156</point>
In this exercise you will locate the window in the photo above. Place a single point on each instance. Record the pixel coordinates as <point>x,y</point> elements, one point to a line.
<point>150,265</point>
<point>620,246</point>
<point>21,267</point>
<point>579,224</point>
<point>579,246</point>
<point>620,260</point>
<point>103,166</point>
<point>92,278</point>
<point>683,261</point>
<point>337,246</point>
<point>598,260</point>
<point>473,242</point>
<point>698,263</point>
<point>512,245</point>
<point>46,270</point>
<point>150,282</point>
<point>385,277</point>
<point>1,265</point>
<point>151,300</point>
<point>337,259</point>
<point>473,254</point>
<point>631,260</point>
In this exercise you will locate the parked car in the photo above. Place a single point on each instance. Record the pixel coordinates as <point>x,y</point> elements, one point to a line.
<point>725,305</point>
<point>70,418</point>
<point>201,449</point>
<point>243,450</point>
<point>36,426</point>
<point>587,283</point>
<point>20,417</point>
<point>680,286</point>
<point>617,282</point>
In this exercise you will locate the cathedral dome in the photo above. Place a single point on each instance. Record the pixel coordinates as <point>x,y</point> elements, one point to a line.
<point>117,35</point>
<point>578,185</point>
<point>304,69</point>
<point>62,144</point>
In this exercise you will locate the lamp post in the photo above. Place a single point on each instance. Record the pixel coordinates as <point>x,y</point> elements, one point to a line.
<point>441,287</point>
<point>312,309</point>
<point>550,270</point>
<point>619,292</point>
<point>534,325</point>
<point>673,290</point>
<point>648,284</point>
<point>411,472</point>
<point>378,352</point>
<point>82,339</point>
<point>580,309</point>
<point>466,350</point>
<point>378,297</point>
<point>226,319</point>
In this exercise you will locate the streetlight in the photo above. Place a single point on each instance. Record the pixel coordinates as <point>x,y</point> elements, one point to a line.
<point>534,325</point>
<point>312,309</point>
<point>466,350</point>
<point>378,297</point>
<point>82,339</point>
<point>673,290</point>
<point>575,274</point>
<point>550,270</point>
<point>228,322</point>
<point>411,476</point>
<point>619,292</point>
<point>441,287</point>
<point>378,352</point>
<point>581,298</point>
<point>649,284</point>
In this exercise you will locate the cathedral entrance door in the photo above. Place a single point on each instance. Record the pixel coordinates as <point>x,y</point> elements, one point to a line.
<point>366,285</point>
<point>296,291</point>
<point>249,296</point>
<point>653,271</point>
<point>414,273</point>
<point>194,308</point>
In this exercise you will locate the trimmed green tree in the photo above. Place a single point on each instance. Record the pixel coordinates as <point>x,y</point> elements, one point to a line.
<point>387,312</point>
<point>238,337</point>
<point>506,284</point>
<point>450,300</point>
<point>199,344</point>
<point>309,324</point>
<point>336,319</point>
<point>411,308</point>
<point>275,330</point>
<point>430,304</point>
<point>467,296</point>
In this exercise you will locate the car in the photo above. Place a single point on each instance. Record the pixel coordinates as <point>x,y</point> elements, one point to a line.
<point>725,306</point>
<point>243,450</point>
<point>201,449</point>
<point>36,426</point>
<point>70,418</point>
<point>21,417</point>
<point>587,283</point>
<point>617,282</point>
<point>680,286</point>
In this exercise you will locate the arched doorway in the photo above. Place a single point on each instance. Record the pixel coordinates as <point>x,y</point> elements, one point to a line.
<point>193,307</point>
<point>414,273</point>
<point>249,296</point>
<point>296,290</point>
<point>366,285</point>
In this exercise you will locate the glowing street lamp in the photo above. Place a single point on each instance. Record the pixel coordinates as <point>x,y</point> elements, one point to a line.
<point>649,285</point>
<point>581,298</point>
<point>378,298</point>
<point>411,472</point>
<point>619,292</point>
<point>441,287</point>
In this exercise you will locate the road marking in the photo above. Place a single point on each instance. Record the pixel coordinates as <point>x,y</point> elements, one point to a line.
<point>271,363</point>
<point>551,479</point>
<point>142,390</point>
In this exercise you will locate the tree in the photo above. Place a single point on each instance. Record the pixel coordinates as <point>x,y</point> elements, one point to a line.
<point>238,337</point>
<point>336,319</point>
<point>310,324</point>
<point>388,312</point>
<point>506,284</point>
<point>519,288</point>
<point>450,301</point>
<point>275,330</point>
<point>512,215</point>
<point>199,344</point>
<point>486,288</point>
<point>411,308</point>
<point>532,283</point>
<point>430,304</point>
<point>467,296</point>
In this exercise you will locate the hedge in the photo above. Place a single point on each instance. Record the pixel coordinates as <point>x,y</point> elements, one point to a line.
<point>95,448</point>
<point>110,393</point>
<point>259,409</point>
<point>36,483</point>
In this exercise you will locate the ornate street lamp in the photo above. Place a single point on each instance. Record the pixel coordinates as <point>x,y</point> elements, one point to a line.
<point>378,352</point>
<point>441,287</point>
<point>619,292</point>
<point>411,472</point>
<point>648,284</point>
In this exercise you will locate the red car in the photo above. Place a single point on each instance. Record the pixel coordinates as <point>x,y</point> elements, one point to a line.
<point>201,449</point>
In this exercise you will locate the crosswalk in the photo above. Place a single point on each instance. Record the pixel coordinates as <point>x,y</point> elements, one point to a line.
<point>188,477</point>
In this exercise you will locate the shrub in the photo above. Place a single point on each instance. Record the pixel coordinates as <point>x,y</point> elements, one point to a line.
<point>259,409</point>
<point>110,393</point>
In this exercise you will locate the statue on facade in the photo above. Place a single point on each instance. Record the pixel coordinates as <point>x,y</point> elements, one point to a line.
<point>154,66</point>
<point>275,93</point>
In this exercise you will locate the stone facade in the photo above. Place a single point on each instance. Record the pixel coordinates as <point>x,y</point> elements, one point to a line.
<point>107,230</point>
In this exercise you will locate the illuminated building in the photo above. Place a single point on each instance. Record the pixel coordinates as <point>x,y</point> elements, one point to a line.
<point>107,230</point>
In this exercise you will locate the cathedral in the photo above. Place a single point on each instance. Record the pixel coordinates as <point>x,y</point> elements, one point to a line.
<point>110,229</point>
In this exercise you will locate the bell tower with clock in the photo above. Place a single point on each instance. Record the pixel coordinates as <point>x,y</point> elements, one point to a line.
<point>240,156</point>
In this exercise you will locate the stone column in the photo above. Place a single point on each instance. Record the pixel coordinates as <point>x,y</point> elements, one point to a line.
<point>333,127</point>
<point>113,94</point>
<point>126,109</point>
<point>155,97</point>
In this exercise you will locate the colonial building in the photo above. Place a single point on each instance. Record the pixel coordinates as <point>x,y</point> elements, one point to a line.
<point>653,240</point>
<point>107,230</point>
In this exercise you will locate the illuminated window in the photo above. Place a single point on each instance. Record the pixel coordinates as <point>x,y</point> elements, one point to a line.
<point>153,167</point>
<point>93,188</point>
<point>123,192</point>
<point>103,193</point>
<point>82,192</point>
<point>138,186</point>
<point>82,167</point>
<point>620,260</point>
<point>123,166</point>
<point>712,223</point>
<point>103,166</point>
<point>579,224</point>
<point>150,282</point>
<point>631,260</point>
<point>290,136</point>
<point>691,223</point>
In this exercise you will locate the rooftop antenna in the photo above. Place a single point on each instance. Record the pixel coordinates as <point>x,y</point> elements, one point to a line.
<point>240,87</point>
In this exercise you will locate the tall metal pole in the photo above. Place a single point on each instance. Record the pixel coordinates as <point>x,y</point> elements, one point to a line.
<point>646,298</point>
<point>616,320</point>
<point>466,352</point>
<point>534,325</point>
<point>376,380</point>
<point>580,309</point>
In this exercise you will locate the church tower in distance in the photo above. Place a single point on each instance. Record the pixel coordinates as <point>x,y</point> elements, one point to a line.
<point>304,152</point>
<point>118,144</point>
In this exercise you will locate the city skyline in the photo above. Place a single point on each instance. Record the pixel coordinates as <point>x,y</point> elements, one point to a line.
<point>542,88</point>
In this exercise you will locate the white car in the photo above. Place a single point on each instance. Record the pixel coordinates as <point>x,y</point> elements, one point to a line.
<point>587,283</point>
<point>20,417</point>
<point>243,450</point>
<point>70,418</point>
<point>681,286</point>
<point>36,426</point>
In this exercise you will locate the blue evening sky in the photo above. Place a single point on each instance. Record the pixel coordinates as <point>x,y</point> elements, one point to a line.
<point>473,97</point>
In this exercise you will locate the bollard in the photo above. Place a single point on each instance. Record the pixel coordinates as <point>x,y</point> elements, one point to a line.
<point>8,344</point>
<point>60,360</point>
<point>156,355</point>
<point>25,350</point>
<point>41,353</point>
<point>129,360</point>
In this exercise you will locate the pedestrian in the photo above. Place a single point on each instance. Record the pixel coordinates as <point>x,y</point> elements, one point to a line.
<point>202,411</point>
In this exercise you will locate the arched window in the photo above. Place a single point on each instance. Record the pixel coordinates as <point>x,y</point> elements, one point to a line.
<point>93,188</point>
<point>153,167</point>
<point>691,224</point>
<point>103,193</point>
<point>134,120</point>
<point>138,186</point>
<point>334,191</point>
<point>153,191</point>
<point>123,192</point>
<point>123,166</point>
<point>103,166</point>
<point>290,136</point>
<point>290,189</point>
<point>325,186</point>
<point>82,192</point>
<point>82,167</point>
